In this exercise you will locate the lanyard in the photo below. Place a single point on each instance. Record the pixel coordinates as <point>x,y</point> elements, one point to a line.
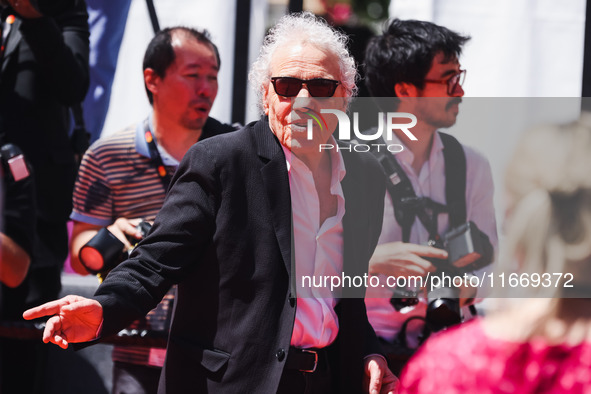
<point>6,26</point>
<point>155,157</point>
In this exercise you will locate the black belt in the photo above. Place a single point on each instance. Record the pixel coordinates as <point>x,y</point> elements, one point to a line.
<point>306,360</point>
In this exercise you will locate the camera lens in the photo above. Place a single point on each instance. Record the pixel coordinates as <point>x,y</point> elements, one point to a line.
<point>103,252</point>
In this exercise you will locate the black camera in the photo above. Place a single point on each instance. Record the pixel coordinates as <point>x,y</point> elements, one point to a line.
<point>468,249</point>
<point>105,251</point>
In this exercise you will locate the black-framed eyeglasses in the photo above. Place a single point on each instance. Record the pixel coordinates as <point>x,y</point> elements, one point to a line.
<point>452,82</point>
<point>317,87</point>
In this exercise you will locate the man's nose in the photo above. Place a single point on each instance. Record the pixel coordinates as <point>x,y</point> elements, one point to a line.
<point>304,93</point>
<point>458,91</point>
<point>303,100</point>
<point>205,88</point>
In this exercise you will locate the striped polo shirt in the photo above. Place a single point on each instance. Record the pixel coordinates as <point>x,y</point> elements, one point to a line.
<point>117,179</point>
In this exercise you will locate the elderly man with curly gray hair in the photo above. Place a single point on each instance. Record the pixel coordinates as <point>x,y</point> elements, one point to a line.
<point>248,215</point>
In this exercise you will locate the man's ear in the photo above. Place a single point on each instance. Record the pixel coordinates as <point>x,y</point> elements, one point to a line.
<point>152,80</point>
<point>265,101</point>
<point>405,89</point>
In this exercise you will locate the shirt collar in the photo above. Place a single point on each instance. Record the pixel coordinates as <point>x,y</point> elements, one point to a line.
<point>437,144</point>
<point>336,160</point>
<point>141,145</point>
<point>407,156</point>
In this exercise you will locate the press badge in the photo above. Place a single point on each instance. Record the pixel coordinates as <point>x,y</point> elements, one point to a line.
<point>18,167</point>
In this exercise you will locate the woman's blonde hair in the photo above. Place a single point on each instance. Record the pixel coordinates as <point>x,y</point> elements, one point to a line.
<point>549,186</point>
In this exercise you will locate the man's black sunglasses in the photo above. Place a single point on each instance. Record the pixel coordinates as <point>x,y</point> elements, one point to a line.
<point>290,87</point>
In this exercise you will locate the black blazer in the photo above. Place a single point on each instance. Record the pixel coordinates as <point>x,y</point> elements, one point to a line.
<point>224,234</point>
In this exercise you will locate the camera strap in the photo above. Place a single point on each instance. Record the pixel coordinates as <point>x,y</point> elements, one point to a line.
<point>155,157</point>
<point>407,205</point>
<point>454,158</point>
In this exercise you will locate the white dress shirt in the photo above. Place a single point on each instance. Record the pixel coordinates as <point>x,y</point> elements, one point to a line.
<point>318,252</point>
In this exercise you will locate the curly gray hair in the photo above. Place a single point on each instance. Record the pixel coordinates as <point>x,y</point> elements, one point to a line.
<point>304,28</point>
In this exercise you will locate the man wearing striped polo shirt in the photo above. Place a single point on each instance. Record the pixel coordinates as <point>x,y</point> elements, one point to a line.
<point>123,177</point>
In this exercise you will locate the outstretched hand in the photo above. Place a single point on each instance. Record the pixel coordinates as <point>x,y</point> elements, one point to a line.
<point>378,378</point>
<point>74,319</point>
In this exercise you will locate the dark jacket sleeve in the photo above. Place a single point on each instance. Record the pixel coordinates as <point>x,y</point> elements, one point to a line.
<point>177,242</point>
<point>60,44</point>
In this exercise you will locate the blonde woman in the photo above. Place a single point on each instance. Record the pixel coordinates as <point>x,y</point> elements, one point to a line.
<point>535,344</point>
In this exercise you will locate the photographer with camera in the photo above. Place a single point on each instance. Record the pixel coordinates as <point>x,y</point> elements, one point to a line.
<point>123,179</point>
<point>440,194</point>
<point>43,71</point>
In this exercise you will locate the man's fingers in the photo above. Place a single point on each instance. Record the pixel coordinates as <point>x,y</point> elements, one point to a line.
<point>390,383</point>
<point>421,265</point>
<point>74,319</point>
<point>120,234</point>
<point>128,226</point>
<point>135,222</point>
<point>47,309</point>
<point>51,308</point>
<point>54,332</point>
<point>406,264</point>
<point>375,378</point>
<point>60,341</point>
<point>381,379</point>
<point>52,327</point>
<point>427,251</point>
<point>81,304</point>
<point>395,269</point>
<point>399,258</point>
<point>131,229</point>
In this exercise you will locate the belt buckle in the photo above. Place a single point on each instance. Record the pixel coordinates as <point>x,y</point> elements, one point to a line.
<point>315,353</point>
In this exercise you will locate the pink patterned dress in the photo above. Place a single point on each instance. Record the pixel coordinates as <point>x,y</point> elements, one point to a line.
<point>465,360</point>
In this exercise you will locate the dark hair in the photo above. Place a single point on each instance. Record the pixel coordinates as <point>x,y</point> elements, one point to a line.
<point>404,52</point>
<point>160,53</point>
